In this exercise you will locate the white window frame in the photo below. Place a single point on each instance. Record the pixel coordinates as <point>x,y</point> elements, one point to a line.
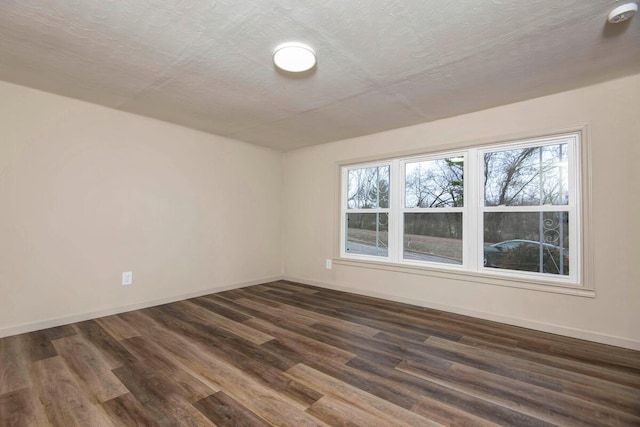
<point>346,210</point>
<point>473,214</point>
<point>573,144</point>
<point>402,209</point>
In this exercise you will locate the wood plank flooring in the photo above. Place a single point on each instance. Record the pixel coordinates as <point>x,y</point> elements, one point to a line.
<point>286,354</point>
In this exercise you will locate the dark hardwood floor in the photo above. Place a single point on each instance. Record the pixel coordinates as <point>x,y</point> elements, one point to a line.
<point>287,354</point>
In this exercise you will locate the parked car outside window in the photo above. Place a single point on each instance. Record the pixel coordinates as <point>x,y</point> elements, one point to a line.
<point>524,255</point>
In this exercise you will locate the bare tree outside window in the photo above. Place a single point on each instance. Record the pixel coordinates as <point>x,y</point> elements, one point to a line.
<point>434,183</point>
<point>526,176</point>
<point>368,188</point>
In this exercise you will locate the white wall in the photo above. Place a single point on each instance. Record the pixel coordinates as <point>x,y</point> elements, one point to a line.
<point>87,192</point>
<point>611,112</point>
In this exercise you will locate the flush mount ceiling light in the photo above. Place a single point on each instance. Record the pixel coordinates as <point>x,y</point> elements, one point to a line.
<point>294,57</point>
<point>623,12</point>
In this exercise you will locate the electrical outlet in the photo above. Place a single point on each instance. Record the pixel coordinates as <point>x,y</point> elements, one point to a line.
<point>328,264</point>
<point>127,278</point>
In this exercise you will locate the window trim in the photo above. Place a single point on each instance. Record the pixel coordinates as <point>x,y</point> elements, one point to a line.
<point>572,208</point>
<point>581,285</point>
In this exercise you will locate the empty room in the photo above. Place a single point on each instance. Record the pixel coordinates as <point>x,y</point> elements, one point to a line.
<point>332,213</point>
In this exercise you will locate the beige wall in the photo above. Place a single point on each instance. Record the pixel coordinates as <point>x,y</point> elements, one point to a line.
<point>611,112</point>
<point>87,192</point>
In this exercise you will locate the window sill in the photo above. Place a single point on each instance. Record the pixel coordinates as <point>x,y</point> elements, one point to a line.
<point>469,276</point>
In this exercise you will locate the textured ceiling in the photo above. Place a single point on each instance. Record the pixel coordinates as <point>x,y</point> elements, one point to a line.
<point>381,64</point>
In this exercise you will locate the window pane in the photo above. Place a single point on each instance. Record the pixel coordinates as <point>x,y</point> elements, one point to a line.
<point>434,183</point>
<point>527,176</point>
<point>368,188</point>
<point>527,241</point>
<point>435,237</point>
<point>367,234</point>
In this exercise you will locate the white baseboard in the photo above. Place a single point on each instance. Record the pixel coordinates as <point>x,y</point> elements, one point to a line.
<point>515,321</point>
<point>50,323</point>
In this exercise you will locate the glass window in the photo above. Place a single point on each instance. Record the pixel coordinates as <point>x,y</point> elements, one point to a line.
<point>433,210</point>
<point>504,209</point>
<point>366,217</point>
<point>527,241</point>
<point>434,183</point>
<point>368,234</point>
<point>433,237</point>
<point>521,230</point>
<point>526,176</point>
<point>368,188</point>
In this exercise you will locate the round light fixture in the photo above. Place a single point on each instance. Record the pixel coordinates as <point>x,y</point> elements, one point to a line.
<point>294,57</point>
<point>623,12</point>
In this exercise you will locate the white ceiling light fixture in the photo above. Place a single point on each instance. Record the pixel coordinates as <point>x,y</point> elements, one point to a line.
<point>294,57</point>
<point>623,12</point>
